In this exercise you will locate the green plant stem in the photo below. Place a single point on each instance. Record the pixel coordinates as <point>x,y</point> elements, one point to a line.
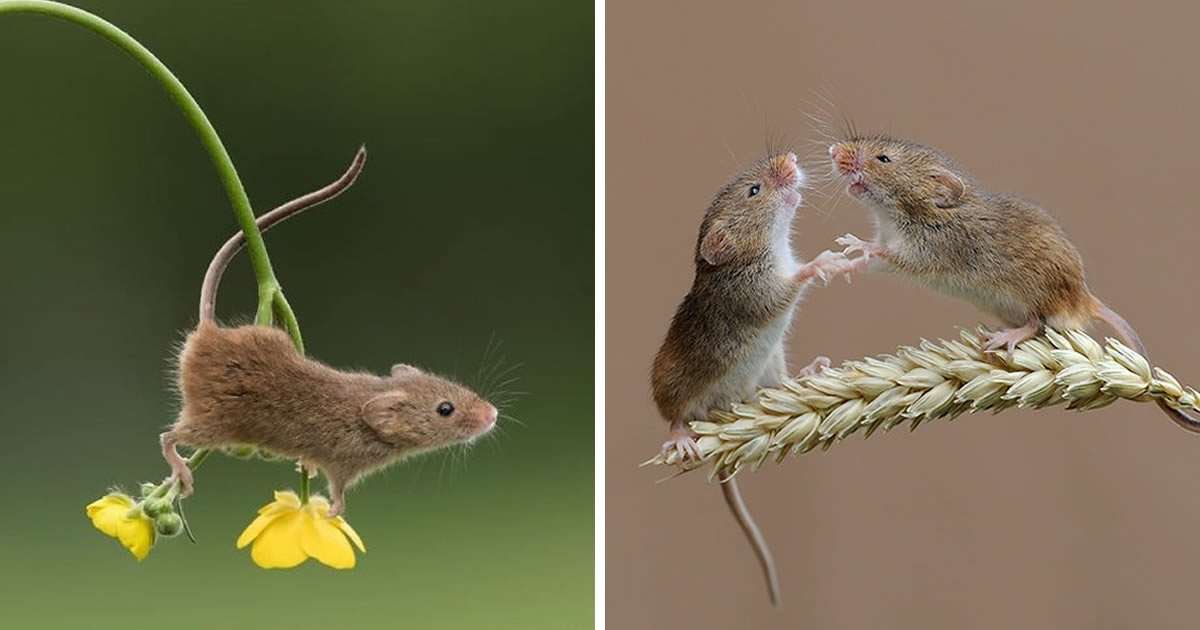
<point>270,294</point>
<point>191,110</point>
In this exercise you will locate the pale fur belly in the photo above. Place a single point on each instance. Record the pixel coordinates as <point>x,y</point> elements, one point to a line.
<point>1003,305</point>
<point>741,381</point>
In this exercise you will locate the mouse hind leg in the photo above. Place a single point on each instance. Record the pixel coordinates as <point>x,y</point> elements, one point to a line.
<point>179,468</point>
<point>190,432</point>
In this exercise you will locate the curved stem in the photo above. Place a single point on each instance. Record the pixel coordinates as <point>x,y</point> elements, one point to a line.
<point>270,295</point>
<point>191,110</point>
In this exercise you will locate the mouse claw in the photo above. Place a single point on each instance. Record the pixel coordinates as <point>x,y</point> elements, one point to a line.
<point>683,442</point>
<point>307,467</point>
<point>1009,338</point>
<point>184,477</point>
<point>852,244</point>
<point>818,364</point>
<point>825,266</point>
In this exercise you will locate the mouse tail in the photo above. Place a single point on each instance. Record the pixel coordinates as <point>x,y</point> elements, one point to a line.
<point>216,268</point>
<point>1130,337</point>
<point>733,498</point>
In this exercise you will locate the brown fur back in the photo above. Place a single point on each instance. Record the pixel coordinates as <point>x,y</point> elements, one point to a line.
<point>249,385</point>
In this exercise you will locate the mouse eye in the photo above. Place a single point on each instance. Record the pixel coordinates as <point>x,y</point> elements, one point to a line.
<point>754,190</point>
<point>445,409</point>
<point>883,158</point>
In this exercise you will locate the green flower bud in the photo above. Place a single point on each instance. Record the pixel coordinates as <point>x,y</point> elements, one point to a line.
<point>168,524</point>
<point>156,507</point>
<point>147,488</point>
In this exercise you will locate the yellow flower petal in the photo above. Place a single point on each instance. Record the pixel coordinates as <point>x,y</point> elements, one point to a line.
<point>267,515</point>
<point>137,534</point>
<point>106,513</point>
<point>321,505</point>
<point>107,519</point>
<point>341,524</point>
<point>288,498</point>
<point>278,546</point>
<point>107,501</point>
<point>322,540</point>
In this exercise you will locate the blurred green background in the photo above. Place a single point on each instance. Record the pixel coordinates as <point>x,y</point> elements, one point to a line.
<point>472,219</point>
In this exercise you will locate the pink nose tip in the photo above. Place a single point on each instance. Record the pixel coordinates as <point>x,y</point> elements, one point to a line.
<point>490,413</point>
<point>843,158</point>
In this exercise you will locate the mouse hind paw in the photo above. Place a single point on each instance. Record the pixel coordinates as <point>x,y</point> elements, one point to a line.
<point>1010,338</point>
<point>818,364</point>
<point>683,442</point>
<point>179,467</point>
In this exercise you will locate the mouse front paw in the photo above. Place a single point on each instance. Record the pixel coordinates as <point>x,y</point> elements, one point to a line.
<point>825,266</point>
<point>853,245</point>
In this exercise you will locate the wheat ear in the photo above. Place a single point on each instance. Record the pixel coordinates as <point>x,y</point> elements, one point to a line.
<point>932,381</point>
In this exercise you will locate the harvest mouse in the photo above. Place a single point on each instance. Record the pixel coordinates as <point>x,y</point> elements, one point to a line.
<point>726,338</point>
<point>1005,254</point>
<point>250,386</point>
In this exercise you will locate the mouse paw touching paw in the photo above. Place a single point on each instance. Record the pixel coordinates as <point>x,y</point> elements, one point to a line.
<point>826,265</point>
<point>853,245</point>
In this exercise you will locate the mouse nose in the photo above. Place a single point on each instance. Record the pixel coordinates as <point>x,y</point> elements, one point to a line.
<point>843,158</point>
<point>489,415</point>
<point>784,171</point>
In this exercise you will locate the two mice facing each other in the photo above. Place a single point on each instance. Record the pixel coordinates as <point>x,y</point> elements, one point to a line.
<point>1004,254</point>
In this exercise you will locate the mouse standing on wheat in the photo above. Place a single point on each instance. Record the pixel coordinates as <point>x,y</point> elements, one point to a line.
<point>250,386</point>
<point>1003,253</point>
<point>726,338</point>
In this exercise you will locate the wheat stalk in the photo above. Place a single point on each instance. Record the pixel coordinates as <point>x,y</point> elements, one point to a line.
<point>932,381</point>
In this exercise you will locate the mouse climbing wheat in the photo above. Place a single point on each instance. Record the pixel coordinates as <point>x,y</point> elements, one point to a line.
<point>726,338</point>
<point>1004,254</point>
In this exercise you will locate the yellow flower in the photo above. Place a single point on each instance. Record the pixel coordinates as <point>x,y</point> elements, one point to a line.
<point>286,534</point>
<point>111,515</point>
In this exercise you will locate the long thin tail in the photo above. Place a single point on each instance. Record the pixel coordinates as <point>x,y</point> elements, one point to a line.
<point>734,499</point>
<point>212,278</point>
<point>1130,337</point>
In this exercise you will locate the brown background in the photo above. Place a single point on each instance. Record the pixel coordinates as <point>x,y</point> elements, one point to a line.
<point>1029,519</point>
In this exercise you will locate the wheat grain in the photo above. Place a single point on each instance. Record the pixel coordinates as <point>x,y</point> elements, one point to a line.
<point>929,382</point>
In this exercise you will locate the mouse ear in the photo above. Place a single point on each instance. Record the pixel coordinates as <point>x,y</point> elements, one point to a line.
<point>404,369</point>
<point>382,413</point>
<point>948,188</point>
<point>716,247</point>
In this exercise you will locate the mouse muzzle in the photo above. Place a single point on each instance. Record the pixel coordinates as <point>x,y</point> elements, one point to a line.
<point>847,161</point>
<point>483,417</point>
<point>786,176</point>
<point>785,172</point>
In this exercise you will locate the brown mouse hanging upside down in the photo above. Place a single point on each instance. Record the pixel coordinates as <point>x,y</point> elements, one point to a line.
<point>250,386</point>
<point>1004,254</point>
